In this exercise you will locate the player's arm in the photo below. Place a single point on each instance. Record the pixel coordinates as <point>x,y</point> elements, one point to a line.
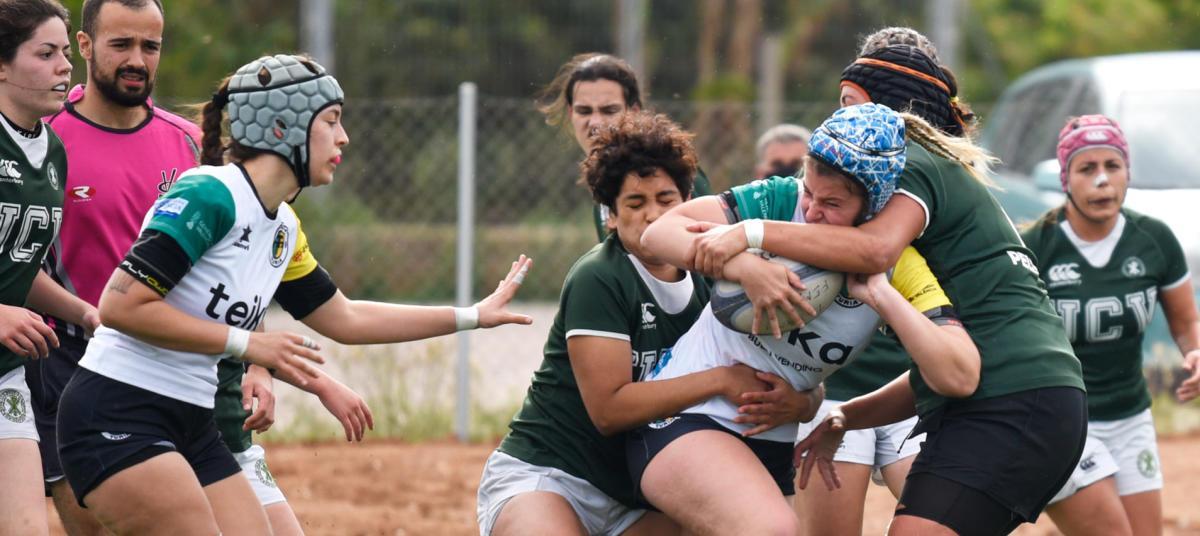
<point>347,406</point>
<point>48,297</point>
<point>916,308</point>
<point>668,236</point>
<point>1179,304</point>
<point>616,403</point>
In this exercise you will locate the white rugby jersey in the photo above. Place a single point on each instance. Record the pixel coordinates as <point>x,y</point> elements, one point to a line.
<point>804,356</point>
<point>239,255</point>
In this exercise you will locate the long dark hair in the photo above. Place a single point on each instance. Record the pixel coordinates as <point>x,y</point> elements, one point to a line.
<point>555,99</point>
<point>20,18</point>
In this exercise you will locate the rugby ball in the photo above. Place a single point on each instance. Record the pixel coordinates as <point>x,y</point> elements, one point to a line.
<point>733,309</point>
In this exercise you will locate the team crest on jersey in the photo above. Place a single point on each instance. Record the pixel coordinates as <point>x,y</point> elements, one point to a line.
<point>1147,463</point>
<point>52,175</point>
<point>846,301</point>
<point>1133,267</point>
<point>12,405</point>
<point>279,246</point>
<point>1061,275</point>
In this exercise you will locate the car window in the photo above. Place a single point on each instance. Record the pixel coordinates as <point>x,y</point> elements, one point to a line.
<point>1028,126</point>
<point>1161,143</point>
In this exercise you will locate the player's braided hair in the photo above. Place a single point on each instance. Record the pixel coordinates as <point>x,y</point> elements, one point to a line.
<point>640,142</point>
<point>898,35</point>
<point>961,150</point>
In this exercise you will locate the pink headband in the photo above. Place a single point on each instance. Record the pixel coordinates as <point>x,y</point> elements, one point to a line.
<point>1088,132</point>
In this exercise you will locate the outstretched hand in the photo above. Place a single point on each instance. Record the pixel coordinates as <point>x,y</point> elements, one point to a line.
<point>493,310</point>
<point>818,449</point>
<point>349,408</point>
<point>1190,388</point>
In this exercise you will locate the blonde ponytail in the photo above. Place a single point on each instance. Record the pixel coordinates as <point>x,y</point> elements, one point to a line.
<point>974,158</point>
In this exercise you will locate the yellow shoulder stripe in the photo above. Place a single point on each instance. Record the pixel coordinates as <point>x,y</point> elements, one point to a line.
<point>913,280</point>
<point>302,262</point>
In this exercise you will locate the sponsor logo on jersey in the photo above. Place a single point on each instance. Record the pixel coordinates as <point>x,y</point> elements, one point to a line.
<point>114,437</point>
<point>1133,267</point>
<point>1020,259</point>
<point>12,405</point>
<point>244,241</point>
<point>1147,463</point>
<point>279,246</point>
<point>663,423</point>
<point>264,475</point>
<point>1061,275</point>
<point>238,313</point>
<point>170,208</point>
<point>168,180</point>
<point>81,193</point>
<point>9,172</point>
<point>647,316</point>
<point>52,175</point>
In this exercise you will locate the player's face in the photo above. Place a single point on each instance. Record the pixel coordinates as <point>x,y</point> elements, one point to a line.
<point>1097,180</point>
<point>597,103</point>
<point>852,95</point>
<point>641,201</point>
<point>123,56</point>
<point>35,81</point>
<point>780,156</point>
<point>325,141</point>
<point>829,199</point>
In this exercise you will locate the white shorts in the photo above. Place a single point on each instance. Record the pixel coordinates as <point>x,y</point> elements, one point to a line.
<point>877,447</point>
<point>253,462</point>
<point>16,411</point>
<point>505,477</point>
<point>1125,448</point>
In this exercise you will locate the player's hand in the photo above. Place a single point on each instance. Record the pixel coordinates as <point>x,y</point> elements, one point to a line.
<point>771,288</point>
<point>24,333</point>
<point>349,409</point>
<point>1190,387</point>
<point>819,448</point>
<point>257,385</point>
<point>288,353</point>
<point>866,288</point>
<point>493,309</point>
<point>91,320</point>
<point>779,405</point>
<point>740,379</point>
<point>713,246</point>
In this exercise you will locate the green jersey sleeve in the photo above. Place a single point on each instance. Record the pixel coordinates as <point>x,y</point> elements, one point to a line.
<point>1175,266</point>
<point>765,199</point>
<point>197,213</point>
<point>920,182</point>
<point>593,304</point>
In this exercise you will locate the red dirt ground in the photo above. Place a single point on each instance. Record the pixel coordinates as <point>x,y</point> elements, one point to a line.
<point>394,488</point>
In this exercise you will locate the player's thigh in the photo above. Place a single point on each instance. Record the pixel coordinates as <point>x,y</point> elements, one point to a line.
<point>22,501</point>
<point>840,511</point>
<point>653,524</point>
<point>537,512</point>
<point>235,507</point>
<point>157,496</point>
<point>895,473</point>
<point>711,482</point>
<point>283,520</point>
<point>76,520</point>
<point>1144,511</point>
<point>1094,509</point>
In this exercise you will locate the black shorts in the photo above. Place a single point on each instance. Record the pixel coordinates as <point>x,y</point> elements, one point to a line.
<point>105,427</point>
<point>47,378</point>
<point>642,444</point>
<point>1016,450</point>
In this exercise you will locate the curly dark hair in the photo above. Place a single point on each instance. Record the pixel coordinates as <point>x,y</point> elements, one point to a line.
<point>639,142</point>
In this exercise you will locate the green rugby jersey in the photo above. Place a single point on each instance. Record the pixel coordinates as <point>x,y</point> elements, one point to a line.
<point>879,363</point>
<point>607,293</point>
<point>1106,304</point>
<point>991,278</point>
<point>32,173</point>
<point>700,187</point>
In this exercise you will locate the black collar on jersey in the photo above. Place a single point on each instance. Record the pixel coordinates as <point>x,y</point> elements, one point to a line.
<point>24,132</point>
<point>270,213</point>
<point>70,108</point>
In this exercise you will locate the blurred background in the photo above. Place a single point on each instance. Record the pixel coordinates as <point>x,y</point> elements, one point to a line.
<point>726,69</point>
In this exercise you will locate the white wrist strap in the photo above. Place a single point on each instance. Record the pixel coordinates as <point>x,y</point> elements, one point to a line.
<point>236,342</point>
<point>466,318</point>
<point>754,233</point>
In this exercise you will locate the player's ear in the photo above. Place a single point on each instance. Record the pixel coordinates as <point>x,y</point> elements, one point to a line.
<point>84,43</point>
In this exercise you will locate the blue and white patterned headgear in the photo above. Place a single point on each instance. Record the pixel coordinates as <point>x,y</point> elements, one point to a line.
<point>272,103</point>
<point>865,142</point>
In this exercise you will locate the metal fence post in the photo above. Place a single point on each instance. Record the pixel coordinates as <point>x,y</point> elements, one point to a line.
<point>467,98</point>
